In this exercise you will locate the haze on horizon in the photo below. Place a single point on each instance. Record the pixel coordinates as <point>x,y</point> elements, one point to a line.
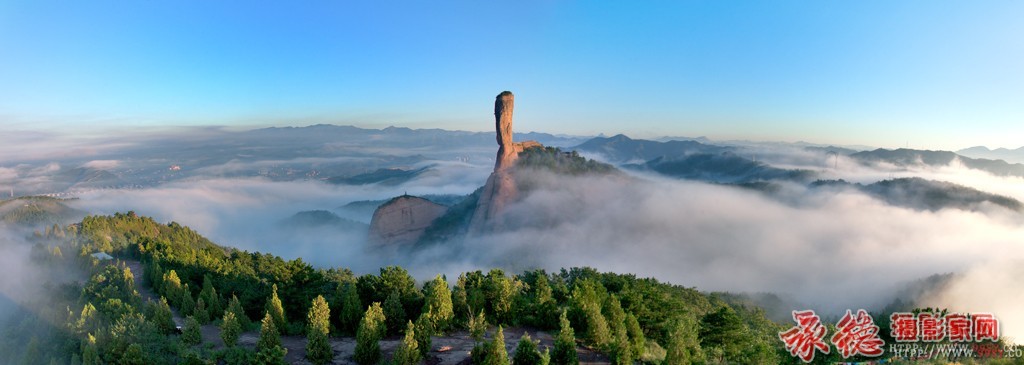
<point>928,75</point>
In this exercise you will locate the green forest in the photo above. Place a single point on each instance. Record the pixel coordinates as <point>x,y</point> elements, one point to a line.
<point>102,317</point>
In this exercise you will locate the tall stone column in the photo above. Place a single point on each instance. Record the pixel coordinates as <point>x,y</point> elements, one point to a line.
<point>504,104</point>
<point>500,189</point>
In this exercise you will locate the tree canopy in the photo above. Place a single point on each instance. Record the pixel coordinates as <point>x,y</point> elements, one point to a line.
<point>104,314</point>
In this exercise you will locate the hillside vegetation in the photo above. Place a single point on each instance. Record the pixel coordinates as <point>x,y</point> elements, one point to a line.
<point>103,319</point>
<point>555,160</point>
<point>36,211</point>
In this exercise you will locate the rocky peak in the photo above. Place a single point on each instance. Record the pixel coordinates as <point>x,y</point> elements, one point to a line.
<point>403,220</point>
<point>508,150</point>
<point>504,103</point>
<point>500,189</point>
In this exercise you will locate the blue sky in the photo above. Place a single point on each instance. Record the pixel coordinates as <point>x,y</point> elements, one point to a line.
<point>931,74</point>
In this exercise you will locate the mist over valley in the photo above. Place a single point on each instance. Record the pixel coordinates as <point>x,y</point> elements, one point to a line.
<point>745,219</point>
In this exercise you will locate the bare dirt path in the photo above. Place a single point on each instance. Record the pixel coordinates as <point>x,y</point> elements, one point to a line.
<point>451,349</point>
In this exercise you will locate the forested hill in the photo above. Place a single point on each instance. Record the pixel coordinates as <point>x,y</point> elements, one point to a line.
<point>104,320</point>
<point>34,211</point>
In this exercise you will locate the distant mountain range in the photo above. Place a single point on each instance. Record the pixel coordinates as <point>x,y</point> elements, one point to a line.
<point>724,168</point>
<point>693,160</point>
<point>395,136</point>
<point>622,149</point>
<point>389,176</point>
<point>922,194</point>
<point>689,160</point>
<point>394,155</point>
<point>909,157</point>
<point>1012,156</point>
<point>338,154</point>
<point>831,149</point>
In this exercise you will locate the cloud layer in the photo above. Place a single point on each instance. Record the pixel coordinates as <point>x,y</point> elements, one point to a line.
<point>828,249</point>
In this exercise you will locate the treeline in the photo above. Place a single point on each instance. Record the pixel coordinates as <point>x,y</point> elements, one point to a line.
<point>555,160</point>
<point>627,318</point>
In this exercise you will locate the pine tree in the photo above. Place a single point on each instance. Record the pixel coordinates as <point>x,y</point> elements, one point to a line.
<point>424,330</point>
<point>271,356</point>
<point>439,303</point>
<point>31,354</point>
<point>235,306</point>
<point>230,329</point>
<point>460,302</point>
<point>613,311</point>
<point>683,347</point>
<point>191,334</point>
<point>496,353</point>
<point>187,305</point>
<point>268,348</point>
<point>477,327</point>
<point>90,355</point>
<point>585,306</point>
<point>526,352</point>
<point>171,287</point>
<point>544,306</point>
<point>201,313</point>
<point>193,358</point>
<point>134,355</point>
<point>127,283</point>
<point>318,348</point>
<point>565,344</point>
<point>371,330</point>
<point>408,352</point>
<point>724,330</point>
<point>163,318</point>
<point>636,336</point>
<point>152,275</point>
<point>351,308</point>
<point>619,349</point>
<point>276,310</point>
<point>238,355</point>
<point>209,295</point>
<point>269,336</point>
<point>597,328</point>
<point>394,312</point>
<point>87,319</point>
<point>500,292</point>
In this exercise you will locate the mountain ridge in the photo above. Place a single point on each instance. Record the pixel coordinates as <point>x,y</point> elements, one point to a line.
<point>912,157</point>
<point>1009,155</point>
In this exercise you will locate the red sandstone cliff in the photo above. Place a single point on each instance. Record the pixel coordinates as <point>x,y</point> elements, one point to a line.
<point>500,189</point>
<point>403,220</point>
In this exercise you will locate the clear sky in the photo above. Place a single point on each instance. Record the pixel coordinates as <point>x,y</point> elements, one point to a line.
<point>931,74</point>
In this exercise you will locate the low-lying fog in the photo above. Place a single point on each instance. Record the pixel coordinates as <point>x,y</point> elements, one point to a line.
<point>829,250</point>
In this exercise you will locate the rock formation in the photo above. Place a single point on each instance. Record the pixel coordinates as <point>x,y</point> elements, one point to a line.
<point>508,151</point>
<point>500,189</point>
<point>403,220</point>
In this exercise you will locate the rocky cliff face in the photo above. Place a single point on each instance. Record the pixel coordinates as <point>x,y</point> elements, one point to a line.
<point>500,189</point>
<point>403,220</point>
